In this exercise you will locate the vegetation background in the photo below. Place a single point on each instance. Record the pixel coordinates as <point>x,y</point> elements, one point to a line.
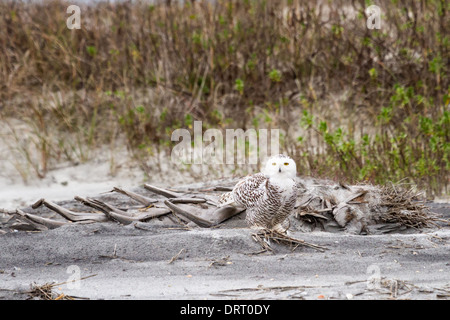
<point>353,104</point>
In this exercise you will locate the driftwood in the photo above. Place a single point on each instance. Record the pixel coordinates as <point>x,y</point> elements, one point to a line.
<point>139,198</point>
<point>25,222</point>
<point>45,291</point>
<point>402,207</point>
<point>362,208</point>
<point>48,223</point>
<point>321,204</point>
<point>70,215</point>
<point>163,192</point>
<point>265,236</point>
<point>219,215</point>
<point>102,206</point>
<point>106,212</point>
<point>121,216</point>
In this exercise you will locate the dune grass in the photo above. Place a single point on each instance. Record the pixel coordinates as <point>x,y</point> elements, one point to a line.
<point>353,104</point>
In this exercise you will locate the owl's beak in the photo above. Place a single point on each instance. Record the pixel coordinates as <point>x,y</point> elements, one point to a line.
<point>279,169</point>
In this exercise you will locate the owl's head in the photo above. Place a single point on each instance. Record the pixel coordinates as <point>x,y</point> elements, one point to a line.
<point>280,166</point>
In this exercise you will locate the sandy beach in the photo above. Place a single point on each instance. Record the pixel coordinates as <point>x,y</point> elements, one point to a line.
<point>159,261</point>
<point>122,123</point>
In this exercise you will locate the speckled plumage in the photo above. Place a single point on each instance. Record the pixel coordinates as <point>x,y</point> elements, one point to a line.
<point>270,196</point>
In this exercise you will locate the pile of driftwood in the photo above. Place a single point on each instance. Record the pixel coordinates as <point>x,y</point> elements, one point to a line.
<point>361,209</point>
<point>169,206</point>
<point>322,205</point>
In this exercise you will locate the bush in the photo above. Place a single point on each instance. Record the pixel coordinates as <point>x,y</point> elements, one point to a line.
<point>353,103</point>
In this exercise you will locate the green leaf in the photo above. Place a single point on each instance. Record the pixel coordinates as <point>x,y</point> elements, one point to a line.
<point>91,50</point>
<point>275,75</point>
<point>239,86</point>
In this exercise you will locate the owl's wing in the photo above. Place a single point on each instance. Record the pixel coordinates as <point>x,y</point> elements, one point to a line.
<point>300,187</point>
<point>226,199</point>
<point>250,190</point>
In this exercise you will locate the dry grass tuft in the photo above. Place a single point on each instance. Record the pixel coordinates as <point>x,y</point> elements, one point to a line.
<point>45,292</point>
<point>406,207</point>
<point>265,236</point>
<point>352,103</point>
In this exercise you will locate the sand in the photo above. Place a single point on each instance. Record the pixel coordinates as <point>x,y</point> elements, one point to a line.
<point>137,262</point>
<point>151,261</point>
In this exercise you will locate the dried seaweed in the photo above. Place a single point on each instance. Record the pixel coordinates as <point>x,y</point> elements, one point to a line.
<point>45,291</point>
<point>332,206</point>
<point>405,207</point>
<point>265,236</point>
<point>355,208</point>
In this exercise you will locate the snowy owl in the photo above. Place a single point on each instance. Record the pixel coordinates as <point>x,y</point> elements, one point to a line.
<point>269,196</point>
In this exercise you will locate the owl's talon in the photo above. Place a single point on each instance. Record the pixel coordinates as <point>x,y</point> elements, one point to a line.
<point>280,229</point>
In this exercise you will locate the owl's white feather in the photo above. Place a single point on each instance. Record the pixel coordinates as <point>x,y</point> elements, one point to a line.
<point>269,196</point>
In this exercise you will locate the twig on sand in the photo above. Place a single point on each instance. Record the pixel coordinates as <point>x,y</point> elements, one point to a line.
<point>138,197</point>
<point>160,191</point>
<point>219,215</point>
<point>197,220</point>
<point>68,214</point>
<point>48,223</point>
<point>45,291</point>
<point>220,262</point>
<point>264,236</point>
<point>175,257</point>
<point>121,216</point>
<point>106,208</point>
<point>188,200</point>
<point>217,188</point>
<point>261,288</point>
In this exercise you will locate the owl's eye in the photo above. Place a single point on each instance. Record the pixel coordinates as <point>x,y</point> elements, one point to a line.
<point>286,163</point>
<point>274,164</point>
